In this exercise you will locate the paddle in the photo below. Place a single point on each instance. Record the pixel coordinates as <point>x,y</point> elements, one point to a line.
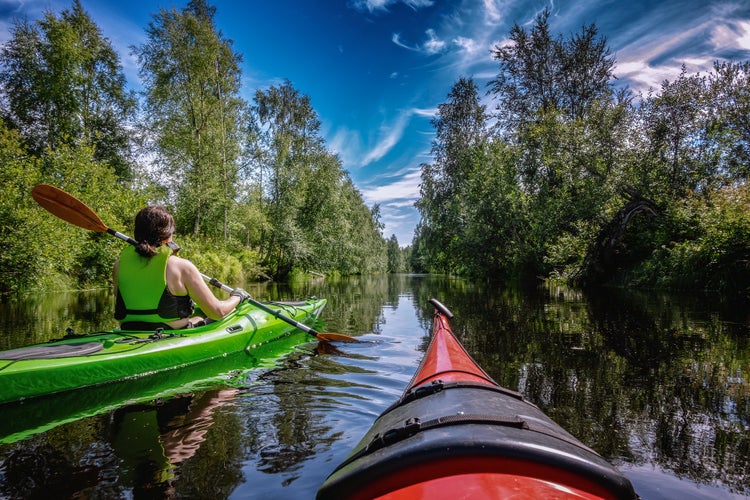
<point>70,209</point>
<point>260,305</point>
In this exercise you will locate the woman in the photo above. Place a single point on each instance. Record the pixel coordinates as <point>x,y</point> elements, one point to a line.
<point>157,289</point>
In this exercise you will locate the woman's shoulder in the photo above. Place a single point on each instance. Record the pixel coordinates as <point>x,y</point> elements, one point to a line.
<point>181,263</point>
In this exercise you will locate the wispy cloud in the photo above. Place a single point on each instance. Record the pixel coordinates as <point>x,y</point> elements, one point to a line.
<point>382,5</point>
<point>467,44</point>
<point>347,144</point>
<point>426,113</point>
<point>388,136</point>
<point>464,37</point>
<point>731,35</point>
<point>355,152</point>
<point>396,195</point>
<point>435,45</point>
<point>399,189</point>
<point>492,11</point>
<point>647,61</point>
<point>432,45</point>
<point>656,45</point>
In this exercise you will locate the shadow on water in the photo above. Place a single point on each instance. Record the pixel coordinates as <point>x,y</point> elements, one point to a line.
<point>656,383</point>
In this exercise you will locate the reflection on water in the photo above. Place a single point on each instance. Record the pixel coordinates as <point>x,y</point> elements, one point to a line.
<point>658,384</point>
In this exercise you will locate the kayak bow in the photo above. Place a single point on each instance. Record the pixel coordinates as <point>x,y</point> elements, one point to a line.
<point>455,433</point>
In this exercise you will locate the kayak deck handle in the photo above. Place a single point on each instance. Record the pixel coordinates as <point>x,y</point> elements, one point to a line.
<point>440,307</point>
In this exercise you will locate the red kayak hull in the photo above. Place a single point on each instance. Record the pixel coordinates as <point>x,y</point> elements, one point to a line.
<point>455,433</point>
<point>467,481</point>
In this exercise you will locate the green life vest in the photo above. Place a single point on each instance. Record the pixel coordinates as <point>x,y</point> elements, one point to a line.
<point>142,293</point>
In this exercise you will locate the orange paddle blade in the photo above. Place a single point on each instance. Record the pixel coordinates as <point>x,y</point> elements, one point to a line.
<point>67,207</point>
<point>335,337</point>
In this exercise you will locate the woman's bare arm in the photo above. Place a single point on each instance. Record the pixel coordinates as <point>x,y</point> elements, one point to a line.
<point>183,276</point>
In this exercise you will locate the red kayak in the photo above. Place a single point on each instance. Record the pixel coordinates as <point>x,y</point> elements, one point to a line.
<point>455,433</point>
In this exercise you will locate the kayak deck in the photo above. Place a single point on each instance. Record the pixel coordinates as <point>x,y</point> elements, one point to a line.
<point>455,433</point>
<point>103,357</point>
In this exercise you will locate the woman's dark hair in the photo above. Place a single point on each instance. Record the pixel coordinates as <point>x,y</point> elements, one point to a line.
<point>153,225</point>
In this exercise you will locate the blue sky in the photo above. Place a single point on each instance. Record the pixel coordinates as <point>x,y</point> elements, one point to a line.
<point>376,70</point>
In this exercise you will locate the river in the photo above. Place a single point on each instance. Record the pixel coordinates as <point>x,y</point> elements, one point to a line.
<point>657,383</point>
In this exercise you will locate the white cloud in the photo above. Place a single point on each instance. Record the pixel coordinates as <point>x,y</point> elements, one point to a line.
<point>346,143</point>
<point>426,113</point>
<point>396,38</point>
<point>382,5</point>
<point>403,191</point>
<point>654,49</point>
<point>467,44</point>
<point>389,135</point>
<point>350,148</point>
<point>372,5</point>
<point>433,44</point>
<point>492,11</point>
<point>396,197</point>
<point>731,35</point>
<point>418,4</point>
<point>635,60</point>
<point>406,203</point>
<point>640,75</point>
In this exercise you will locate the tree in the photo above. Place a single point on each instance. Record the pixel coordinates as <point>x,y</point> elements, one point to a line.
<point>19,259</point>
<point>63,84</point>
<point>539,73</point>
<point>395,259</point>
<point>316,218</point>
<point>460,133</point>
<point>729,126</point>
<point>192,80</point>
<point>557,109</point>
<point>289,145</point>
<point>674,123</point>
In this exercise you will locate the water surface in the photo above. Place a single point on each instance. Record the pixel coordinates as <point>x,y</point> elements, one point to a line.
<point>656,383</point>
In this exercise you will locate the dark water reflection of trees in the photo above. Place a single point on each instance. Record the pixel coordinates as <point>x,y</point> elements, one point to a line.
<point>646,379</point>
<point>651,379</point>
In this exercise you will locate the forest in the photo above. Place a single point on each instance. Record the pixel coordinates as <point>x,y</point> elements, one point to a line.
<point>570,178</point>
<point>254,191</point>
<point>567,177</point>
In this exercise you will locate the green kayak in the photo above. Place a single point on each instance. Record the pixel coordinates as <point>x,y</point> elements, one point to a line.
<point>107,357</point>
<point>27,417</point>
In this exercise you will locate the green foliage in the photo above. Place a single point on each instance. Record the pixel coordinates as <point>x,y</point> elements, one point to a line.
<point>20,265</point>
<point>63,84</point>
<point>395,258</point>
<point>577,183</point>
<point>460,141</point>
<point>89,255</point>
<point>728,129</point>
<point>716,256</point>
<point>192,81</point>
<point>315,218</point>
<point>539,73</point>
<point>38,250</point>
<point>545,191</point>
<point>255,193</point>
